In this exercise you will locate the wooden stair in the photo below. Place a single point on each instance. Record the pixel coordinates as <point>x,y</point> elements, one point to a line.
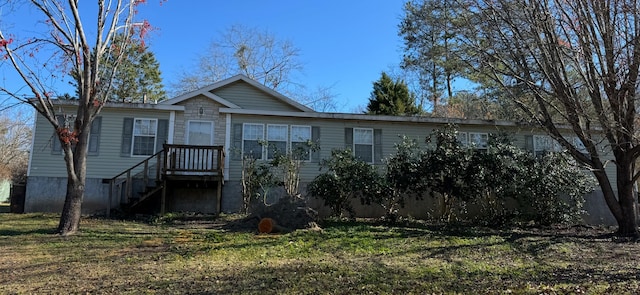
<point>151,176</point>
<point>149,192</point>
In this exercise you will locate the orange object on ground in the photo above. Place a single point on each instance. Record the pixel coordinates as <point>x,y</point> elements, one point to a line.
<point>266,225</point>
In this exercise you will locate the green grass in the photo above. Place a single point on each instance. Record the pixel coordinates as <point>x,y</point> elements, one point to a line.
<point>128,257</point>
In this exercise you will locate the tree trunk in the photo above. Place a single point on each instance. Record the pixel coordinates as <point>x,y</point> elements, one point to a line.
<point>628,226</point>
<point>76,160</point>
<point>72,210</point>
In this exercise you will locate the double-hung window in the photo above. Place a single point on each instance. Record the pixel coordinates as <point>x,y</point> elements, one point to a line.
<point>462,138</point>
<point>363,144</point>
<point>479,140</point>
<point>277,138</point>
<point>144,137</point>
<point>252,137</point>
<point>300,142</point>
<point>545,143</point>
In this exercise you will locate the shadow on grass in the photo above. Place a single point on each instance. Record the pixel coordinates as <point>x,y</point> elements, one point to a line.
<point>353,277</point>
<point>13,232</point>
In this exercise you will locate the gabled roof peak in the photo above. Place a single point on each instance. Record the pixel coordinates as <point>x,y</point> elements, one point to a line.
<point>206,91</point>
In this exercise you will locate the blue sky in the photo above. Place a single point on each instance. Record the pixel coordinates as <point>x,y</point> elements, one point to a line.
<point>343,44</point>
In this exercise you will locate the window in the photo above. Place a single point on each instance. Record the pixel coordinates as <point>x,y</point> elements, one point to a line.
<point>544,143</point>
<point>463,139</point>
<point>144,137</point>
<point>478,140</point>
<point>363,144</point>
<point>277,138</point>
<point>252,136</point>
<point>300,139</point>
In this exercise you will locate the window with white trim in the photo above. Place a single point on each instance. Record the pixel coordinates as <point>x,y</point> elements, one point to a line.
<point>277,139</point>
<point>462,138</point>
<point>144,137</point>
<point>545,143</point>
<point>363,144</point>
<point>478,140</point>
<point>252,137</point>
<point>300,139</point>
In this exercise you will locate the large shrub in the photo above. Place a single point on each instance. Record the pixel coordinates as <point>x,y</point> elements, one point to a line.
<point>444,169</point>
<point>346,178</point>
<point>548,189</point>
<point>552,189</point>
<point>401,177</point>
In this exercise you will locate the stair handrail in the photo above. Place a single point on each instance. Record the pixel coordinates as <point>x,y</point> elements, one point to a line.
<point>145,162</point>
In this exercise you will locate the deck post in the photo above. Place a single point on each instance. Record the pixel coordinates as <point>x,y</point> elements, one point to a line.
<point>219,194</point>
<point>163,199</point>
<point>110,198</point>
<point>129,186</point>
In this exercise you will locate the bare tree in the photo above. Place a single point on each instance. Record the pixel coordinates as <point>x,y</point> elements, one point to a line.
<point>571,65</point>
<point>244,50</point>
<point>71,46</point>
<point>322,99</point>
<point>15,140</point>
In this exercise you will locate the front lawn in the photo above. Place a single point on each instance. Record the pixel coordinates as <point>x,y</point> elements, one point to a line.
<point>120,257</point>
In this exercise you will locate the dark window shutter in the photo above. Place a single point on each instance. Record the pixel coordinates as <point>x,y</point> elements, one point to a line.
<point>528,143</point>
<point>56,146</point>
<point>94,137</point>
<point>236,143</point>
<point>348,138</point>
<point>315,138</point>
<point>162,134</point>
<point>377,146</point>
<point>127,132</point>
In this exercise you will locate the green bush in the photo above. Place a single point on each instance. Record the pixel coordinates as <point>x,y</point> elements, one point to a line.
<point>347,178</point>
<point>549,189</point>
<point>553,189</point>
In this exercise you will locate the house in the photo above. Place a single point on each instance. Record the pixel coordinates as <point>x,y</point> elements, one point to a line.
<point>184,154</point>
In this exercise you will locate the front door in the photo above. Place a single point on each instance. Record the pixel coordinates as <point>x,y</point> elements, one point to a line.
<point>200,133</point>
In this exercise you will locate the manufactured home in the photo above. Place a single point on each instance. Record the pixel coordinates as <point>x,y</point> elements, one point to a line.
<point>185,153</point>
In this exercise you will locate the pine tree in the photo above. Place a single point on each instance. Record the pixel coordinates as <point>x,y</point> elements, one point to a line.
<point>391,98</point>
<point>138,77</point>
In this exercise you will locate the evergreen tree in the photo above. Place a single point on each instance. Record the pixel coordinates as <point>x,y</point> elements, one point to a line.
<point>391,98</point>
<point>429,29</point>
<point>137,78</point>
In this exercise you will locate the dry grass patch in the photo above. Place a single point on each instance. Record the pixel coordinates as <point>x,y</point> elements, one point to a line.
<point>127,257</point>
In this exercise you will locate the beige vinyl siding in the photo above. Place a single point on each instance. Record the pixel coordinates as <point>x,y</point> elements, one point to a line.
<point>108,163</point>
<point>332,136</point>
<point>249,97</point>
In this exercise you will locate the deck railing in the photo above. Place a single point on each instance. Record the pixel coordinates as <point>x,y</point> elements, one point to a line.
<point>193,160</point>
<point>172,160</point>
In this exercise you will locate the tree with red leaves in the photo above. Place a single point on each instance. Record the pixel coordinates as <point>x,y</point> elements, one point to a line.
<point>74,50</point>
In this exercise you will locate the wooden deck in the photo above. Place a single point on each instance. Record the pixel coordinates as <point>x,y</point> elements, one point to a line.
<point>193,162</point>
<point>173,163</point>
